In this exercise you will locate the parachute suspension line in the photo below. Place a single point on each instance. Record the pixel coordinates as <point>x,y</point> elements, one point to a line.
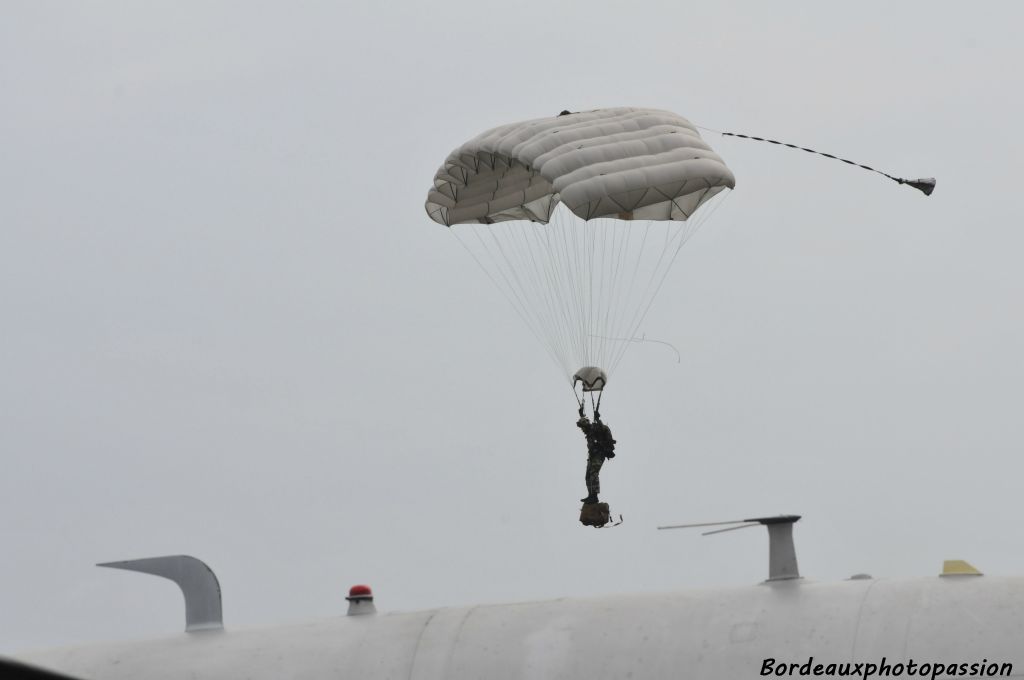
<point>608,242</point>
<point>597,287</point>
<point>596,406</point>
<point>597,271</point>
<point>583,253</point>
<point>510,293</point>
<point>592,233</point>
<point>555,283</point>
<point>563,294</point>
<point>577,236</point>
<point>615,289</point>
<point>580,257</point>
<point>657,275</point>
<point>601,234</point>
<point>624,270</point>
<point>632,282</point>
<point>539,291</point>
<point>581,287</point>
<point>574,275</point>
<point>546,290</point>
<point>608,233</point>
<point>520,287</point>
<point>614,324</point>
<point>925,185</point>
<point>658,272</point>
<point>618,232</point>
<point>554,294</point>
<point>580,398</point>
<point>562,281</point>
<point>573,238</point>
<point>693,224</point>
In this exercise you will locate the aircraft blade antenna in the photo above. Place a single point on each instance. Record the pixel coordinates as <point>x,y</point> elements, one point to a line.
<point>782,565</point>
<point>197,581</point>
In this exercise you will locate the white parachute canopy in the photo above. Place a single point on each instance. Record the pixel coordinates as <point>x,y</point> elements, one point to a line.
<point>583,276</point>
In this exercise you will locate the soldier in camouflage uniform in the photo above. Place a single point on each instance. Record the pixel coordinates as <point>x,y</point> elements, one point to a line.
<point>600,445</point>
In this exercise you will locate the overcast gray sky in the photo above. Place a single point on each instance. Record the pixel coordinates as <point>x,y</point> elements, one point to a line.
<point>228,328</point>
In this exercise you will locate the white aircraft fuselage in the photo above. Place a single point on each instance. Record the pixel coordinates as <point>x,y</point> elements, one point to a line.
<point>725,634</point>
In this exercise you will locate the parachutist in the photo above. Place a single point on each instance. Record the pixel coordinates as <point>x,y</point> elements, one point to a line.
<point>600,445</point>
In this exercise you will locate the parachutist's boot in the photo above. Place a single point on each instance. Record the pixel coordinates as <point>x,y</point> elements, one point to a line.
<point>592,498</point>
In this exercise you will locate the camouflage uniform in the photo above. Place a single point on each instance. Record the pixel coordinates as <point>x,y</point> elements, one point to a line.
<point>600,445</point>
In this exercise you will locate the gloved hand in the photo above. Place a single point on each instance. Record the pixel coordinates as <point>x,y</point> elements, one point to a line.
<point>582,414</point>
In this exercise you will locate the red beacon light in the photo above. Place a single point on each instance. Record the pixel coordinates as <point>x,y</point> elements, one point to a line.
<point>360,592</point>
<point>360,600</point>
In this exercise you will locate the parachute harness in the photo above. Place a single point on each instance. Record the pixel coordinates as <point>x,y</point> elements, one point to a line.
<point>581,400</point>
<point>925,185</point>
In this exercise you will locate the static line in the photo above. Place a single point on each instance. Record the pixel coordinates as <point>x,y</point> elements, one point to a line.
<point>925,185</point>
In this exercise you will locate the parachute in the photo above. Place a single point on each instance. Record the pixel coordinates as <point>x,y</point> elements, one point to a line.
<point>578,218</point>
